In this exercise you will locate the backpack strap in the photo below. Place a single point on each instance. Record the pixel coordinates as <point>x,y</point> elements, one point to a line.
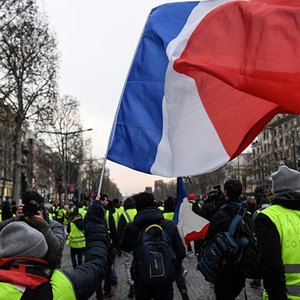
<point>237,218</point>
<point>153,226</point>
<point>146,229</point>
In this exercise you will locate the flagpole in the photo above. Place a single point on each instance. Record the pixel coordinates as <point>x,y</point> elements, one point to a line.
<point>102,175</point>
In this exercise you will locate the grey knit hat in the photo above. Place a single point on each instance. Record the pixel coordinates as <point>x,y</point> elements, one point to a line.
<point>285,180</point>
<point>18,239</point>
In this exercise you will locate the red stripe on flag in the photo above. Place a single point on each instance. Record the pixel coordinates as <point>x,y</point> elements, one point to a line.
<point>244,58</point>
<point>194,235</point>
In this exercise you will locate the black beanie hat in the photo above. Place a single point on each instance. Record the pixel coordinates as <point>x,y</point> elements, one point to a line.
<point>32,195</point>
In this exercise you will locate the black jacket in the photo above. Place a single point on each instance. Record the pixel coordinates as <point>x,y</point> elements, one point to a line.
<point>221,220</point>
<point>86,277</point>
<point>269,248</point>
<point>146,217</point>
<point>121,226</point>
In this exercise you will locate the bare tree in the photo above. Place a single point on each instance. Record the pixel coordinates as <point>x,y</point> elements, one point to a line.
<point>28,68</point>
<point>6,150</point>
<point>65,134</point>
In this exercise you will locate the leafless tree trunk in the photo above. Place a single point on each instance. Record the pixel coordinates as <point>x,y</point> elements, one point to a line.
<point>28,66</point>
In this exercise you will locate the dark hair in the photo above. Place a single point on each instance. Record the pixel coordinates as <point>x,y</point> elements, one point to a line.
<point>103,196</point>
<point>143,200</point>
<point>116,201</point>
<point>169,205</point>
<point>233,188</point>
<point>129,203</point>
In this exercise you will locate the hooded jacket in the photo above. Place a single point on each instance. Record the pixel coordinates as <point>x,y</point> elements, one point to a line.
<point>269,247</point>
<point>146,217</point>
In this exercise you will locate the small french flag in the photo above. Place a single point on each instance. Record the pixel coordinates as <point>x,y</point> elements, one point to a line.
<point>191,226</point>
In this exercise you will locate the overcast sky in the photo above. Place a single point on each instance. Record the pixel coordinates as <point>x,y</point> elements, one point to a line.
<point>97,40</point>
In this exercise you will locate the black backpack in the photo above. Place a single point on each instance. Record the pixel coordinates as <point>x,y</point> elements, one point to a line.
<point>247,263</point>
<point>235,246</point>
<point>153,263</point>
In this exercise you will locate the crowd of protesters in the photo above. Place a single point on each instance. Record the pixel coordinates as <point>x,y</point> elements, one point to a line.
<point>35,233</point>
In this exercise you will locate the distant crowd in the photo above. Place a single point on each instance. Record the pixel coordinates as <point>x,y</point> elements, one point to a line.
<point>252,236</point>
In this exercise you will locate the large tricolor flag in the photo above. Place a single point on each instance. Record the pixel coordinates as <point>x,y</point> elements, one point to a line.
<point>205,80</point>
<point>191,227</point>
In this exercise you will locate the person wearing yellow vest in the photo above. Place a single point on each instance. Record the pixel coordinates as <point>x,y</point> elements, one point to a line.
<point>169,208</point>
<point>127,217</point>
<point>62,215</point>
<point>22,246</point>
<point>75,238</point>
<point>118,207</point>
<point>277,229</point>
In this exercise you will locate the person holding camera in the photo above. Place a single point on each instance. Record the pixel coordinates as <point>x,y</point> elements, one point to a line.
<point>26,275</point>
<point>214,200</point>
<point>33,212</point>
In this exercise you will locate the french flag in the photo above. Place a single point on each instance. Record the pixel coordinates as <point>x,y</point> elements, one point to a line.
<point>205,80</point>
<point>191,226</point>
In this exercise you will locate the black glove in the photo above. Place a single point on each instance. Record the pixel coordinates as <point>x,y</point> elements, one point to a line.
<point>95,213</point>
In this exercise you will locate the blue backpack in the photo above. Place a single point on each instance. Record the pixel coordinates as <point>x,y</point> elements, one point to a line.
<point>223,248</point>
<point>153,264</point>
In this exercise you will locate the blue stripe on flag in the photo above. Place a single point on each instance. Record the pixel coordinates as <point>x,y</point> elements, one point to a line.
<point>137,129</point>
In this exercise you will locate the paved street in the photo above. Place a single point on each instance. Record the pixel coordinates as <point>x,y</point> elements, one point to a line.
<point>198,288</point>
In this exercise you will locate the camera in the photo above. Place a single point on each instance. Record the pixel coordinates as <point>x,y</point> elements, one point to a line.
<point>216,194</point>
<point>31,208</point>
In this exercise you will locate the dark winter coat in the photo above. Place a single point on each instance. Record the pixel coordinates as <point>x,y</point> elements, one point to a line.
<point>231,281</point>
<point>221,220</point>
<point>143,219</point>
<point>269,247</point>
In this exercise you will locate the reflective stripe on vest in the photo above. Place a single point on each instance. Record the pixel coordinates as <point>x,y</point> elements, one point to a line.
<point>115,216</point>
<point>62,288</point>
<point>287,222</point>
<point>76,237</point>
<point>169,215</point>
<point>129,214</point>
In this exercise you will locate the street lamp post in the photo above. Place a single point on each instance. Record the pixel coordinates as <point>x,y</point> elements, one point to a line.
<point>64,141</point>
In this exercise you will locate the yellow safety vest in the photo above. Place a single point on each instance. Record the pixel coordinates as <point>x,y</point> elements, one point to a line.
<point>76,237</point>
<point>120,211</point>
<point>115,216</point>
<point>169,215</point>
<point>82,212</point>
<point>129,214</point>
<point>62,288</point>
<point>0,215</point>
<point>287,222</point>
